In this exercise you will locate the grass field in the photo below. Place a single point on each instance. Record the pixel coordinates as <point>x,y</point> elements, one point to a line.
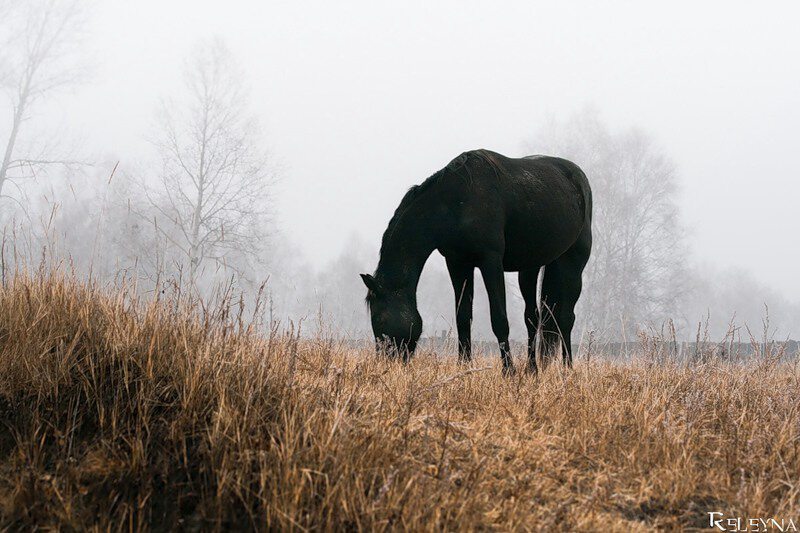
<point>123,414</point>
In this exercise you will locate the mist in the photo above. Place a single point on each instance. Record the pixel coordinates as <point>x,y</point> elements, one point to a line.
<point>347,106</point>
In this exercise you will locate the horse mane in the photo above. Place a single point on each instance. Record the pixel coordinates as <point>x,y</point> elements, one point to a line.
<point>457,165</point>
<point>412,194</point>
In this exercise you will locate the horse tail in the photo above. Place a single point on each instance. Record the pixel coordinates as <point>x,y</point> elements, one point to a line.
<point>578,178</point>
<point>586,193</point>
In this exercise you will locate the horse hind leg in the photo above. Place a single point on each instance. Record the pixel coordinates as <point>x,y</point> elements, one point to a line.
<point>561,288</point>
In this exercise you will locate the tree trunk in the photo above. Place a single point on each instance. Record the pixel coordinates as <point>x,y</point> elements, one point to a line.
<point>197,216</point>
<point>12,139</point>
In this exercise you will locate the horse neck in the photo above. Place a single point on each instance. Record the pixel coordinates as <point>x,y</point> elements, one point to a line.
<point>403,255</point>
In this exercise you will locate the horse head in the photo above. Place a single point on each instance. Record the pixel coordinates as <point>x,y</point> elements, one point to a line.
<point>396,323</point>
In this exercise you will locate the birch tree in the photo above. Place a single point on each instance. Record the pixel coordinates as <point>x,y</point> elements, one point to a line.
<point>638,270</point>
<point>211,200</point>
<point>40,55</point>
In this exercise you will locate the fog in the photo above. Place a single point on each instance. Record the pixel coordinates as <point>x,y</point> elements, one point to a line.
<point>358,101</point>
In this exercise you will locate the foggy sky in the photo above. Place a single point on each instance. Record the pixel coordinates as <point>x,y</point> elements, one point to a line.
<point>360,101</point>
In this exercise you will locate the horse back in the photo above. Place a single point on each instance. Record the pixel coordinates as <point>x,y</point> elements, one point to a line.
<point>534,208</point>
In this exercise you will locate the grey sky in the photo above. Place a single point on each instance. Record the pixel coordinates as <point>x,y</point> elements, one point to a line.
<point>359,100</point>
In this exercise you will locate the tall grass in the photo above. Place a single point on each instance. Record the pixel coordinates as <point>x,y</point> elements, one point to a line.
<point>118,413</point>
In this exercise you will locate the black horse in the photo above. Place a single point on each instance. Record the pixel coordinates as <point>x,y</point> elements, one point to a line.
<point>498,214</point>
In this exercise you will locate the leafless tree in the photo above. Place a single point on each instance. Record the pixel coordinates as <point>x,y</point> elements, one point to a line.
<point>39,54</point>
<point>638,271</point>
<point>212,197</point>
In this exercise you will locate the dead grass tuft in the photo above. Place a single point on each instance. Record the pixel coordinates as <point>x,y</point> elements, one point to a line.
<point>120,413</point>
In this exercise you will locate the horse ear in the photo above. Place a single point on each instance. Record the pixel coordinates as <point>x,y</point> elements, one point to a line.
<point>370,282</point>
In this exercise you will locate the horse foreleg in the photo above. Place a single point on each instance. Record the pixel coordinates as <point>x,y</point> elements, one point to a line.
<point>493,278</point>
<point>462,275</point>
<point>528,280</point>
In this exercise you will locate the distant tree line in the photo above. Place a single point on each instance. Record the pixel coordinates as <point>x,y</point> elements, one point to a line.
<point>199,212</point>
<point>640,277</point>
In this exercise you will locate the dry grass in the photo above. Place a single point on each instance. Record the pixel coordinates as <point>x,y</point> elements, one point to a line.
<point>133,415</point>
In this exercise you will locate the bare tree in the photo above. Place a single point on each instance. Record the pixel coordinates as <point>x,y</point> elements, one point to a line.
<point>638,271</point>
<point>211,201</point>
<point>40,44</point>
